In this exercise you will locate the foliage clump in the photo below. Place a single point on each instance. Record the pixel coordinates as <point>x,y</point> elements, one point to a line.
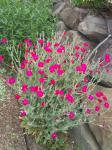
<point>20,19</point>
<point>53,88</point>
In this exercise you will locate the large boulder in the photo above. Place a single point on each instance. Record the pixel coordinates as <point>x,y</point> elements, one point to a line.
<point>85,139</point>
<point>60,27</point>
<point>58,7</point>
<point>97,135</point>
<point>72,16</point>
<point>102,127</point>
<point>94,27</point>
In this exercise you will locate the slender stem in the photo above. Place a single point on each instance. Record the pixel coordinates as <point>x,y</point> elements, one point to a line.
<point>101,43</point>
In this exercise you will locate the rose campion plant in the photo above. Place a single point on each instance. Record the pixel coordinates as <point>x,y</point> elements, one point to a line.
<point>53,89</point>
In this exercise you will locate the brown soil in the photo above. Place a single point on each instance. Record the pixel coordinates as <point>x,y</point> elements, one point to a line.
<point>11,135</point>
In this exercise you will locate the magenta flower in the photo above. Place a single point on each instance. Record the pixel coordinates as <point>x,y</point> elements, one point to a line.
<point>35,57</point>
<point>86,44</point>
<point>56,44</point>
<point>41,72</point>
<point>43,104</point>
<point>57,66</point>
<point>40,93</point>
<point>97,108</point>
<point>24,88</point>
<point>53,82</point>
<point>36,88</point>
<point>32,88</point>
<point>4,40</point>
<point>77,55</point>
<point>83,68</point>
<point>22,113</point>
<point>41,80</point>
<point>22,65</point>
<point>41,41</point>
<point>29,44</point>
<point>26,40</point>
<point>84,89</point>
<point>29,73</point>
<point>40,64</point>
<point>1,58</point>
<point>107,58</point>
<point>52,69</point>
<point>11,80</point>
<point>25,102</point>
<point>106,105</point>
<point>61,92</point>
<point>60,72</point>
<point>54,136</point>
<point>78,68</point>
<point>71,115</point>
<point>88,111</point>
<point>57,92</point>
<point>17,96</point>
<point>99,93</point>
<point>48,49</point>
<point>76,47</point>
<point>48,60</point>
<point>70,98</point>
<point>59,50</point>
<point>83,50</point>
<point>90,97</point>
<point>104,98</point>
<point>48,44</point>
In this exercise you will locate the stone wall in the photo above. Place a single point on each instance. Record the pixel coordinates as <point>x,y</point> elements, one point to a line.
<point>93,27</point>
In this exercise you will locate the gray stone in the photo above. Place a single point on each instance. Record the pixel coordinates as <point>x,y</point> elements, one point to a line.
<point>84,138</point>
<point>68,2</point>
<point>72,16</point>
<point>60,27</point>
<point>102,126</point>
<point>32,145</point>
<point>58,7</point>
<point>93,27</point>
<point>83,12</point>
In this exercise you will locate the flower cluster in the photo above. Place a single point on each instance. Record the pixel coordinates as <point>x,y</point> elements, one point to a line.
<point>53,89</point>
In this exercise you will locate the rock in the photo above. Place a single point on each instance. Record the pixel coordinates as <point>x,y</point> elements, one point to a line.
<point>72,16</point>
<point>83,12</point>
<point>58,7</point>
<point>93,27</point>
<point>60,27</point>
<point>84,138</point>
<point>31,144</point>
<point>96,135</point>
<point>68,2</point>
<point>103,132</point>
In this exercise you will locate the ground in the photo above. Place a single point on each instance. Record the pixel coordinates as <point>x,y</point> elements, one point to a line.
<point>11,135</point>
